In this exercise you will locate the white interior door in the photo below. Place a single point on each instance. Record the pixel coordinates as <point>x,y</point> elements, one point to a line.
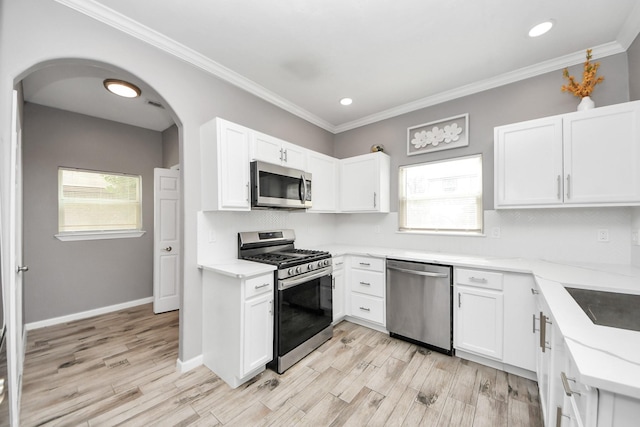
<point>15,327</point>
<point>166,240</point>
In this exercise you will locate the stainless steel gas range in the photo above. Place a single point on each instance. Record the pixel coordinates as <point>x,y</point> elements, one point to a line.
<point>303,302</point>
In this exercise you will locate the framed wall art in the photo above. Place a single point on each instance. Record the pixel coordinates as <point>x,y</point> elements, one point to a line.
<point>439,135</point>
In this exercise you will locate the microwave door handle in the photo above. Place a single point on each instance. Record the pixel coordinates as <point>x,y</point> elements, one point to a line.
<point>304,188</point>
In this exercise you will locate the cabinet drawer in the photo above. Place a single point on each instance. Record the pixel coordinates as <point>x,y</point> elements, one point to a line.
<point>338,262</point>
<point>258,285</point>
<point>367,263</point>
<point>479,278</point>
<point>367,282</point>
<point>367,307</point>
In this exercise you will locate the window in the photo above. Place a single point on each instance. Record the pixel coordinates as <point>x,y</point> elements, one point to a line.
<point>92,202</point>
<point>442,196</point>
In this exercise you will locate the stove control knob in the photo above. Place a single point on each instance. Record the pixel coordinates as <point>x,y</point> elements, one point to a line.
<point>310,266</point>
<point>327,262</point>
<point>298,270</point>
<point>290,271</point>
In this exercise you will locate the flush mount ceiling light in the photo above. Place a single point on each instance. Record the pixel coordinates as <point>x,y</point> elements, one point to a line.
<point>122,88</point>
<point>346,101</point>
<point>541,28</point>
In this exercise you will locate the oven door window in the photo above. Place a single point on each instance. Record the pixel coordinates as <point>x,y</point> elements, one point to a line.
<point>304,310</point>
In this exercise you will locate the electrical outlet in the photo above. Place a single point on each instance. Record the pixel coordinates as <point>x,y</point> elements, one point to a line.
<point>603,235</point>
<point>495,232</point>
<point>376,229</point>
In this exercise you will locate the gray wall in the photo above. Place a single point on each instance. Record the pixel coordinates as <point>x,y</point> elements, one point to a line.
<point>634,69</point>
<point>528,99</point>
<point>170,147</point>
<point>71,277</point>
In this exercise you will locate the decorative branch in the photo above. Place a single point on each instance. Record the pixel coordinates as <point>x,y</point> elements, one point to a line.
<point>589,79</point>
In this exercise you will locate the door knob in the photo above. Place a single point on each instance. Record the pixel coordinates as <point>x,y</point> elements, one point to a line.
<point>168,249</point>
<point>23,268</point>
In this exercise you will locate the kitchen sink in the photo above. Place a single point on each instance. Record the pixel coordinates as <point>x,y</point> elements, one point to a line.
<point>609,308</point>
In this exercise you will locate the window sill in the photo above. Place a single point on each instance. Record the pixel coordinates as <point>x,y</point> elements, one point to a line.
<point>98,235</point>
<point>444,233</point>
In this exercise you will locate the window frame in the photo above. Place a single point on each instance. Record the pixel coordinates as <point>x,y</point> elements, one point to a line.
<point>402,228</point>
<point>98,234</point>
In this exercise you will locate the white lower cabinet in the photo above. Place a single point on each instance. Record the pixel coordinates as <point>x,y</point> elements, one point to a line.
<point>519,320</point>
<point>366,290</point>
<point>479,315</point>
<point>237,339</point>
<point>338,291</point>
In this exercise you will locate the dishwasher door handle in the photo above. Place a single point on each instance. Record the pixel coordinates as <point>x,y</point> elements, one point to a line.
<point>419,273</point>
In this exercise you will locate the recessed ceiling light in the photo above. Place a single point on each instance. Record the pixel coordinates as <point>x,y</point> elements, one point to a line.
<point>122,88</point>
<point>541,28</point>
<point>346,101</point>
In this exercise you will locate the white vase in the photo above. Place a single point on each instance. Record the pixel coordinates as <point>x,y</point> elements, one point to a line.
<point>586,104</point>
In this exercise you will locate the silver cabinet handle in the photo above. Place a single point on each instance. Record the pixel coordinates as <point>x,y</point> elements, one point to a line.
<point>285,156</point>
<point>168,249</point>
<point>543,332</point>
<point>559,187</point>
<point>534,323</point>
<point>375,205</point>
<point>281,156</point>
<point>365,309</point>
<point>477,279</point>
<point>565,385</point>
<point>365,283</point>
<point>366,264</point>
<point>22,268</point>
<point>248,192</point>
<point>568,186</point>
<point>333,282</point>
<point>271,307</point>
<point>459,300</point>
<point>534,292</point>
<point>418,273</point>
<point>264,285</point>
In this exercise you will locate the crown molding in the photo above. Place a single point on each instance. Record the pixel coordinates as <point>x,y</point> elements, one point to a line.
<point>135,29</point>
<point>630,29</point>
<point>480,86</point>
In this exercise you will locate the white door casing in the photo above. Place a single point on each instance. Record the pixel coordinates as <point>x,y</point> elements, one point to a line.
<point>13,302</point>
<point>166,240</point>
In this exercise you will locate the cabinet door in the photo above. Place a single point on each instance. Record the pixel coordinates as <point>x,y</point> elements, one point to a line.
<point>602,155</point>
<point>266,148</point>
<point>359,190</point>
<point>233,166</point>
<point>324,174</point>
<point>338,294</point>
<point>479,321</point>
<point>294,156</point>
<point>519,321</point>
<point>528,163</point>
<point>258,333</point>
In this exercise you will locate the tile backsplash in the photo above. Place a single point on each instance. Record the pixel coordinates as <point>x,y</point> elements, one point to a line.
<point>568,234</point>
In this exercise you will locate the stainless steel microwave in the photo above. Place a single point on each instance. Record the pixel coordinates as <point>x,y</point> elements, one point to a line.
<point>274,186</point>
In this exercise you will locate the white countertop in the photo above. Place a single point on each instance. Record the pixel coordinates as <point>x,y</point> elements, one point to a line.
<point>239,268</point>
<point>607,358</point>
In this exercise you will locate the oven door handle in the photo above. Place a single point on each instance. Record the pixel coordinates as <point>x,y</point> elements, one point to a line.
<point>289,283</point>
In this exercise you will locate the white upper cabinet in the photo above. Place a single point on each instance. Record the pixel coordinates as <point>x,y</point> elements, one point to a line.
<point>364,183</point>
<point>224,157</point>
<point>587,158</point>
<point>602,155</point>
<point>324,185</point>
<point>529,163</point>
<point>273,150</point>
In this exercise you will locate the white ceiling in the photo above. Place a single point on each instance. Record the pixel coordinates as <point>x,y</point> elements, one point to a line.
<point>390,56</point>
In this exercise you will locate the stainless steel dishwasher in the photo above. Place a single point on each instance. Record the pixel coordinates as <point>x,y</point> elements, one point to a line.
<point>419,303</point>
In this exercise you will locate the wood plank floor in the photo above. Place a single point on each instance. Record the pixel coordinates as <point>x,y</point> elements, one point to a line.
<point>120,369</point>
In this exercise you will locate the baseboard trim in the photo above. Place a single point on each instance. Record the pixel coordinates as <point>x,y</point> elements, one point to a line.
<point>86,314</point>
<point>189,364</point>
